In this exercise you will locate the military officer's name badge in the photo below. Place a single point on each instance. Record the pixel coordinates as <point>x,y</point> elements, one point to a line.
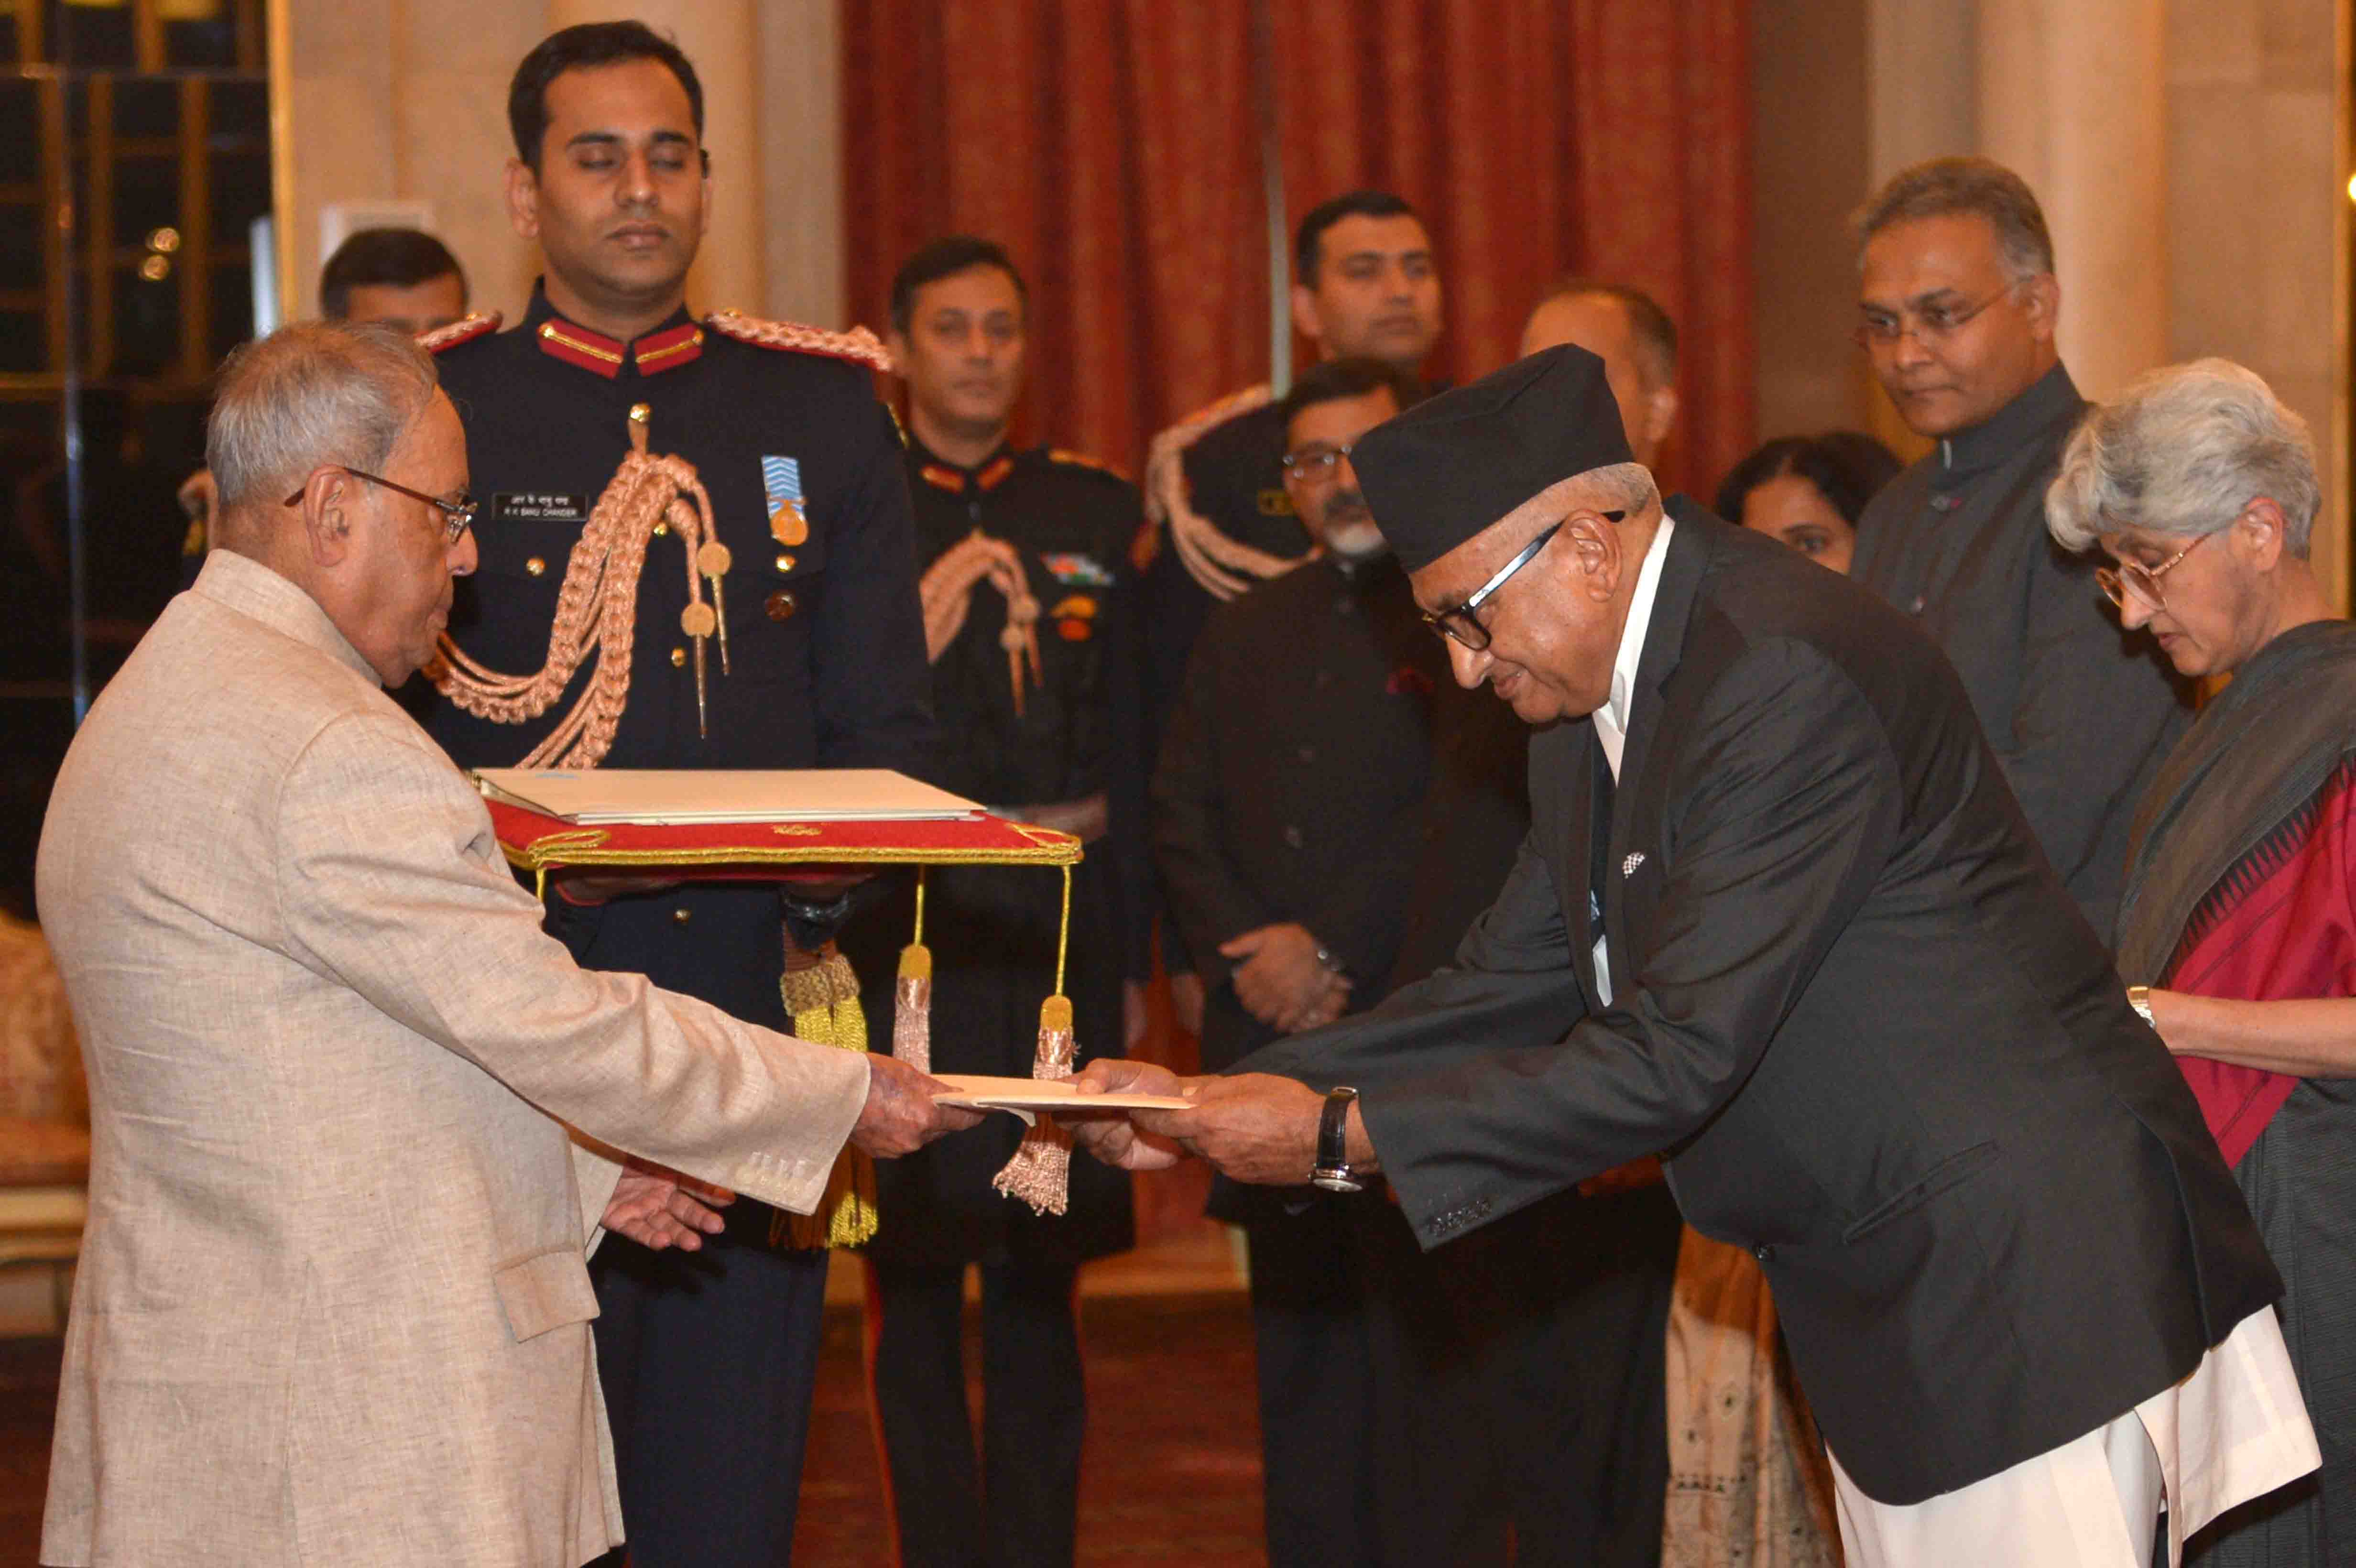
<point>540,506</point>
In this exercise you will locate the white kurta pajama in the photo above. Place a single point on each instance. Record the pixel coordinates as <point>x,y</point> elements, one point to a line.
<point>2234,1429</point>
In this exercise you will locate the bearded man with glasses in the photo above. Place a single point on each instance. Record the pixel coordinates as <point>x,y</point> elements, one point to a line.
<point>1957,306</point>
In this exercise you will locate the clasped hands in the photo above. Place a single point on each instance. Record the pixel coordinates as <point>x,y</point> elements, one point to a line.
<point>1281,981</point>
<point>1252,1127</point>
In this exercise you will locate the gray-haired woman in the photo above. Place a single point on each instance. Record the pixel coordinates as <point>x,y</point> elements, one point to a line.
<point>2240,912</point>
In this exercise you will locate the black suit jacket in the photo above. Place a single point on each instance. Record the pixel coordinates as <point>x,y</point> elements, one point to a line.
<point>1856,1007</point>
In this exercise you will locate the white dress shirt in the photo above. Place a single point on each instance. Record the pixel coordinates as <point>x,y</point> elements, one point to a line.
<point>1612,719</point>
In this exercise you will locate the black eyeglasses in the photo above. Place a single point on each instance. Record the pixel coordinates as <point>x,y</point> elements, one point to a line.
<point>1930,325</point>
<point>1315,464</point>
<point>457,515</point>
<point>1458,623</point>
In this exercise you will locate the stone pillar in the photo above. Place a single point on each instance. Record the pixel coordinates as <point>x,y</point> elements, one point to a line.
<point>1922,68</point>
<point>2072,95</point>
<point>801,163</point>
<point>723,39</point>
<point>2257,207</point>
<point>452,60</point>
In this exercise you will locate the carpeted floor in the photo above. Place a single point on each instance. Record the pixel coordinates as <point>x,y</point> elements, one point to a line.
<point>1172,1472</point>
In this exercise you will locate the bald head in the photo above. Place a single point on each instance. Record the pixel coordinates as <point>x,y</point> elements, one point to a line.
<point>1633,336</point>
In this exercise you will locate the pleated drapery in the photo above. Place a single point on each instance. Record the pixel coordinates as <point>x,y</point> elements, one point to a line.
<point>1111,146</point>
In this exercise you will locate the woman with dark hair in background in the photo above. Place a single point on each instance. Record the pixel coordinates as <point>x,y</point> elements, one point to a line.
<point>1809,491</point>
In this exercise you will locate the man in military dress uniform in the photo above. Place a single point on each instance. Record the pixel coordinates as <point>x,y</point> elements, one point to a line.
<point>707,1360</point>
<point>1285,800</point>
<point>1032,630</point>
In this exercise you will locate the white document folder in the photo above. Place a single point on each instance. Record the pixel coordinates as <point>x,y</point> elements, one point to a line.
<point>666,797</point>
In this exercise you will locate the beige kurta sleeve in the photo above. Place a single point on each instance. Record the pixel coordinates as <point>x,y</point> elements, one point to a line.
<point>391,880</point>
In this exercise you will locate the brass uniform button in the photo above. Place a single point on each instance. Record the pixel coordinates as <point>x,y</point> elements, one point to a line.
<point>535,566</point>
<point>678,658</point>
<point>781,605</point>
<point>680,916</point>
<point>784,563</point>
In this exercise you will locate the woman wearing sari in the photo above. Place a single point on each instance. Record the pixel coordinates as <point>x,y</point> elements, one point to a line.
<point>2240,911</point>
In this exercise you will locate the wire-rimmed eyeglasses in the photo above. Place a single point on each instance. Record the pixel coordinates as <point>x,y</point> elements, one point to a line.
<point>1316,463</point>
<point>457,515</point>
<point>2132,577</point>
<point>1929,325</point>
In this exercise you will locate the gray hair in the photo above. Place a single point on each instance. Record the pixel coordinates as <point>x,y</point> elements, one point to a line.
<point>1943,186</point>
<point>311,393</point>
<point>2182,450</point>
<point>1617,487</point>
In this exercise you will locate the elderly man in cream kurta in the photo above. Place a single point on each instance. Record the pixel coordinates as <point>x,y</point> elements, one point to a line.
<point>333,1306</point>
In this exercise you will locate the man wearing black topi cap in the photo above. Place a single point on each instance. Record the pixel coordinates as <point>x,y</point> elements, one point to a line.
<point>1779,920</point>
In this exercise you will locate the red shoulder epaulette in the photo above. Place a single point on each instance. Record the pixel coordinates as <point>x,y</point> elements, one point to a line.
<point>1082,460</point>
<point>857,345</point>
<point>466,330</point>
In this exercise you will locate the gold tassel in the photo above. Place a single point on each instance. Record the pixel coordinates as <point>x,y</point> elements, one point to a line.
<point>911,997</point>
<point>1041,1171</point>
<point>821,993</point>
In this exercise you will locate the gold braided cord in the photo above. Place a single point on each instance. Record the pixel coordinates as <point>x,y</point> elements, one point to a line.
<point>596,613</point>
<point>856,344</point>
<point>464,329</point>
<point>1064,932</point>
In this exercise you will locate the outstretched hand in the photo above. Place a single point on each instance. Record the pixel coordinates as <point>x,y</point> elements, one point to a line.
<point>1252,1127</point>
<point>901,1116</point>
<point>658,1206</point>
<point>1111,1136</point>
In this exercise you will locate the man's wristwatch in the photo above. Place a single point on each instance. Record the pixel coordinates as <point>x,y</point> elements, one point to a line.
<point>1332,1169</point>
<point>2139,998</point>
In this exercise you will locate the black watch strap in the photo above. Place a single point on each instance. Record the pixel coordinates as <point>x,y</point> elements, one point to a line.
<point>1332,1169</point>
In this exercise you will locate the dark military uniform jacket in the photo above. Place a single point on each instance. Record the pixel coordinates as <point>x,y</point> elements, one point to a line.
<point>992,930</point>
<point>826,639</point>
<point>2080,713</point>
<point>1235,477</point>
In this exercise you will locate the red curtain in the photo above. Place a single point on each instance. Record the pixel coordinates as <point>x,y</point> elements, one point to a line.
<point>1110,144</point>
